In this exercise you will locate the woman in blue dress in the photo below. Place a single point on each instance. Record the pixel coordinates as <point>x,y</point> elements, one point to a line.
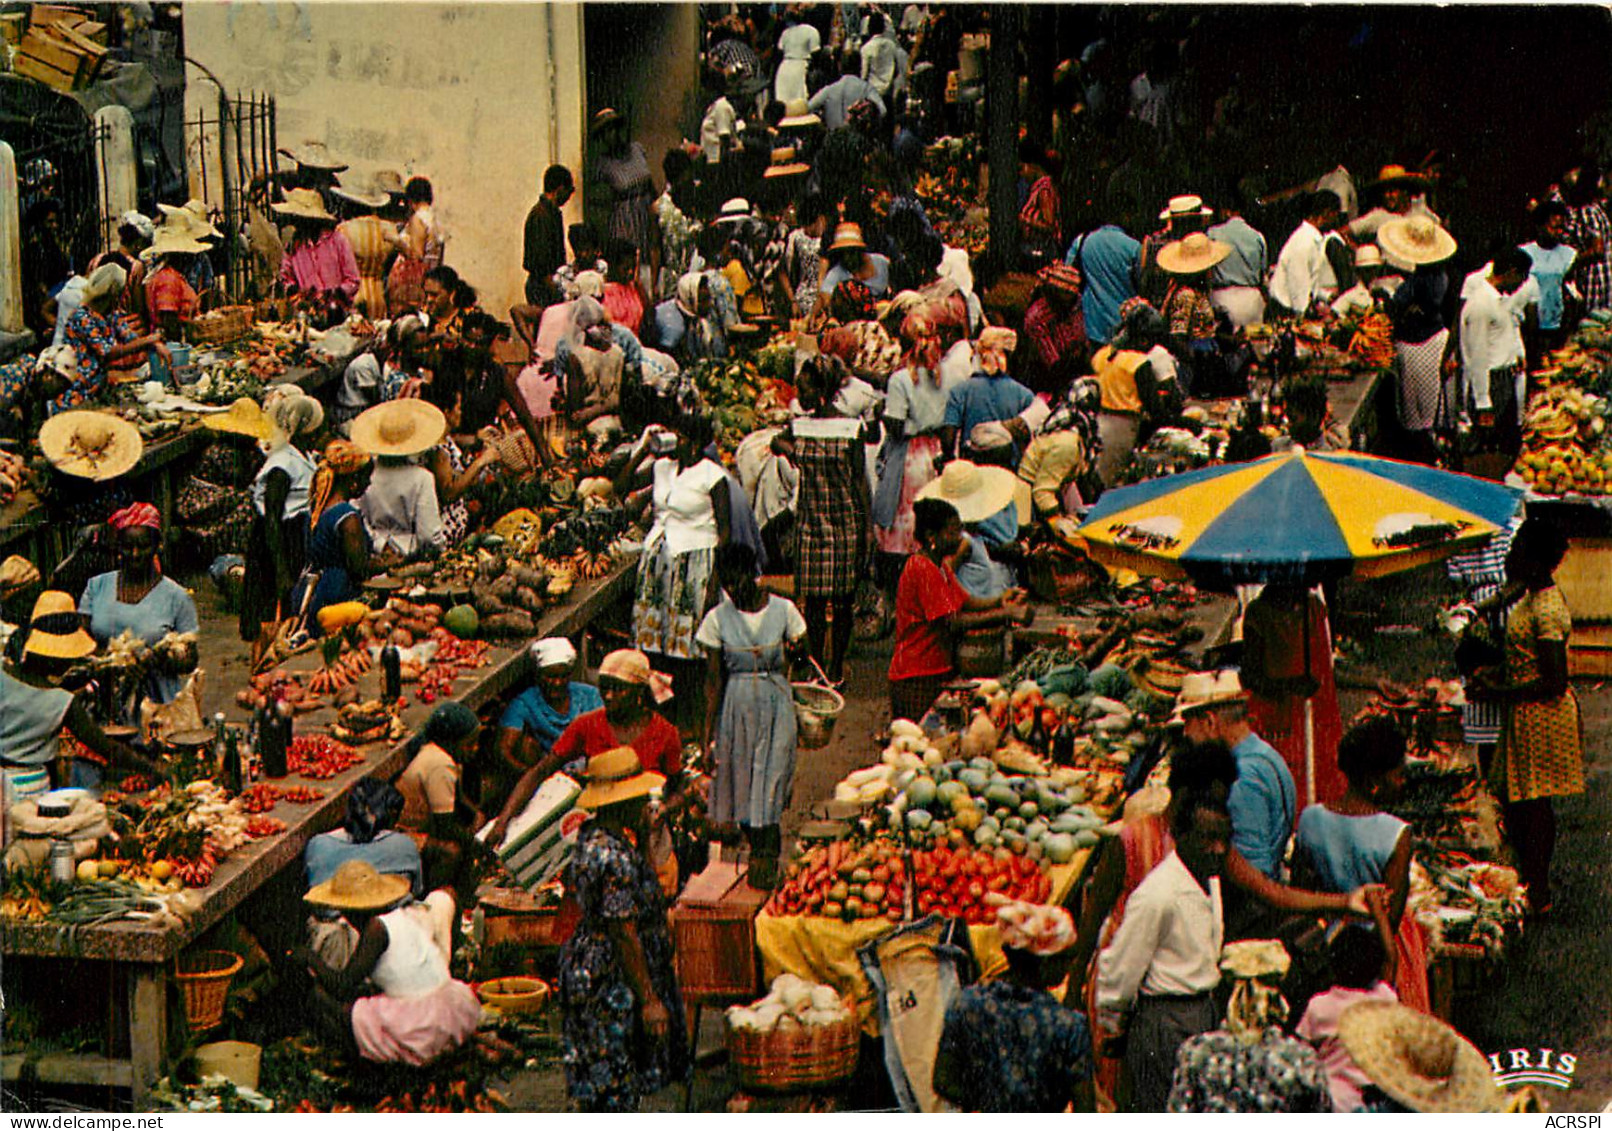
<point>622,1028</point>
<point>749,708</point>
<point>338,545</point>
<point>137,598</point>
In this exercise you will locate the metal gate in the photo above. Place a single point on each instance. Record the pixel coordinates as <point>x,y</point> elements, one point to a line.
<point>233,159</point>
<point>55,144</point>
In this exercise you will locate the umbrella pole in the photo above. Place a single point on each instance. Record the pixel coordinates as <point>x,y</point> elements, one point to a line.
<point>1309,750</point>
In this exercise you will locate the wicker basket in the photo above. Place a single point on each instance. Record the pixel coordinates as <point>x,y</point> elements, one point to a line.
<point>226,324</point>
<point>982,653</point>
<point>816,708</point>
<point>204,977</point>
<point>794,1057</point>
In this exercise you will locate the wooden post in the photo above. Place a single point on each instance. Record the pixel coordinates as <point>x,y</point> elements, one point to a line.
<point>148,1026</point>
<point>10,244</point>
<point>115,168</point>
<point>1001,109</point>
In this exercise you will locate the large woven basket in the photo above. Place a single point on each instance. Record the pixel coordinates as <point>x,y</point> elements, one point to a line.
<point>226,324</point>
<point>795,1057</point>
<point>203,977</point>
<point>816,708</point>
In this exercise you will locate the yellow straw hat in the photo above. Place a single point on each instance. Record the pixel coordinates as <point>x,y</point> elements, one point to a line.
<point>357,886</point>
<point>90,445</point>
<point>399,428</point>
<point>245,418</point>
<point>1193,254</point>
<point>72,644</point>
<point>304,204</point>
<point>976,492</point>
<point>1418,1061</point>
<point>1415,240</point>
<point>617,775</point>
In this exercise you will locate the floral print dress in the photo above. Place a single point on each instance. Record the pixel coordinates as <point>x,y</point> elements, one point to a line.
<point>92,336</point>
<point>610,1062</point>
<point>1217,1071</point>
<point>1004,1047</point>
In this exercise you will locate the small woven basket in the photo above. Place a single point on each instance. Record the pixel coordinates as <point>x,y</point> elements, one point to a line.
<point>203,977</point>
<point>226,324</point>
<point>795,1057</point>
<point>816,708</point>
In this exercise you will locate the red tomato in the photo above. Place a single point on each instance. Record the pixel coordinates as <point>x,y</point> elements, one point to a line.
<point>976,890</point>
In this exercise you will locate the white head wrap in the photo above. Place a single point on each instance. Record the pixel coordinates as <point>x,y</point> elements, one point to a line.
<point>553,652</point>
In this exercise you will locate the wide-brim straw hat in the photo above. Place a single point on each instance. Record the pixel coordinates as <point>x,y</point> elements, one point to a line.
<point>976,492</point>
<point>617,775</point>
<point>192,219</point>
<point>1415,240</point>
<point>1193,255</point>
<point>1203,690</point>
<point>175,237</point>
<point>785,165</point>
<point>314,155</point>
<point>399,428</point>
<point>734,211</point>
<point>363,191</point>
<point>1391,175</point>
<point>848,235</point>
<point>304,204</point>
<point>1182,207</point>
<point>357,886</point>
<point>17,573</point>
<point>73,644</point>
<point>798,115</point>
<point>90,445</point>
<point>389,181</point>
<point>1417,1060</point>
<point>245,417</point>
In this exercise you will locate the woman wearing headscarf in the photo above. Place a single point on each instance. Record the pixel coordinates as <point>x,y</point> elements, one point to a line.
<point>338,545</point>
<point>594,368</point>
<point>622,1025</point>
<point>421,1012</point>
<point>435,809</point>
<point>277,547</point>
<point>135,233</point>
<point>367,833</point>
<point>99,338</point>
<point>686,325</point>
<point>631,690</point>
<point>137,598</point>
<point>535,719</point>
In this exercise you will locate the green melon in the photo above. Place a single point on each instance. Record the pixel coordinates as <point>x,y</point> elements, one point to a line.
<point>462,621</point>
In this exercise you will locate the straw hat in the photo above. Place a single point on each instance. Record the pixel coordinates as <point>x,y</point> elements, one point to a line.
<point>399,428</point>
<point>192,218</point>
<point>1181,207</point>
<point>617,775</point>
<point>357,886</point>
<point>107,279</point>
<point>1415,240</point>
<point>177,236</point>
<point>305,204</point>
<point>366,192</point>
<point>90,445</point>
<point>17,572</point>
<point>1255,958</point>
<point>314,155</point>
<point>734,211</point>
<point>1203,690</point>
<point>1368,255</point>
<point>1195,254</point>
<point>73,644</point>
<point>245,418</point>
<point>847,235</point>
<point>785,165</point>
<point>977,492</point>
<point>1390,175</point>
<point>603,118</point>
<point>389,181</point>
<point>798,115</point>
<point>1417,1060</point>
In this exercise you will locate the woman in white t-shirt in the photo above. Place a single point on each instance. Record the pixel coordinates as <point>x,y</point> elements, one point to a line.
<point>676,574</point>
<point>279,536</point>
<point>797,45</point>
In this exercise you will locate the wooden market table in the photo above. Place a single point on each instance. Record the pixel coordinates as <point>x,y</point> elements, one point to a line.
<point>142,956</point>
<point>1215,615</point>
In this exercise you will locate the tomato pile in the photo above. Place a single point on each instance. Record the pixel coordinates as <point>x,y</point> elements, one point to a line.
<point>319,756</point>
<point>300,794</point>
<point>452,650</point>
<point>953,883</point>
<point>264,826</point>
<point>264,796</point>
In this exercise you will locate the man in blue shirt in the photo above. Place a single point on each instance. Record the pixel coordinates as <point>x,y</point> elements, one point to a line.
<point>988,397</point>
<point>1264,800</point>
<point>1552,260</point>
<point>1107,258</point>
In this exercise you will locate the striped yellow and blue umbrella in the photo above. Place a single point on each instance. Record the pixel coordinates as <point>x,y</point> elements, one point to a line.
<point>1298,517</point>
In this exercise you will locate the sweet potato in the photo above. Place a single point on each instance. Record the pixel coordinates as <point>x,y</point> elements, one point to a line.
<point>487,605</point>
<point>526,597</point>
<point>509,624</point>
<point>504,588</point>
<point>531,578</point>
<point>419,626</point>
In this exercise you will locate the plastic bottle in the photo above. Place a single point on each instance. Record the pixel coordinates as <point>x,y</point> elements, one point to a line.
<point>391,673</point>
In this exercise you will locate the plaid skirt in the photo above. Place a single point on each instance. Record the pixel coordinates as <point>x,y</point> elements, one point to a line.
<point>671,600</point>
<point>833,541</point>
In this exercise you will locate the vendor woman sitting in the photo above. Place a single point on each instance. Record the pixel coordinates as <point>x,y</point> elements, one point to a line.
<point>137,598</point>
<point>37,709</point>
<point>535,719</point>
<point>366,834</point>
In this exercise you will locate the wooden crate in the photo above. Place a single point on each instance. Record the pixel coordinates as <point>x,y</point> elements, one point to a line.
<point>13,25</point>
<point>1589,650</point>
<point>48,56</point>
<point>714,933</point>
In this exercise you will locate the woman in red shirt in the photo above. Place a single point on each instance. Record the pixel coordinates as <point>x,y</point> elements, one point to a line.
<point>629,687</point>
<point>931,607</point>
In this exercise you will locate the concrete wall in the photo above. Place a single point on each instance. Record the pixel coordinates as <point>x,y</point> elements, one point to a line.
<point>480,98</point>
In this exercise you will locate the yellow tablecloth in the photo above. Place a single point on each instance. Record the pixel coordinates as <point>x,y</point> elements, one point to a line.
<point>824,950</point>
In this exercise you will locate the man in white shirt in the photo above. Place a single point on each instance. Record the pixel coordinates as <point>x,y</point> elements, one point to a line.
<point>717,129</point>
<point>1492,357</point>
<point>883,60</point>
<point>1164,961</point>
<point>1296,281</point>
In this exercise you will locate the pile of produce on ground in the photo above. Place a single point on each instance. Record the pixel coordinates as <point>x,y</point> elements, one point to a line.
<point>793,1001</point>
<point>1565,443</point>
<point>1465,901</point>
<point>739,398</point>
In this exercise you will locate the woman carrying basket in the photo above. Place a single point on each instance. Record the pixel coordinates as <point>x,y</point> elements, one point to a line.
<point>749,707</point>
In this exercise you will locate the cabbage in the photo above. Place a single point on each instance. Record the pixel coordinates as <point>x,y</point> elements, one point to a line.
<point>1111,682</point>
